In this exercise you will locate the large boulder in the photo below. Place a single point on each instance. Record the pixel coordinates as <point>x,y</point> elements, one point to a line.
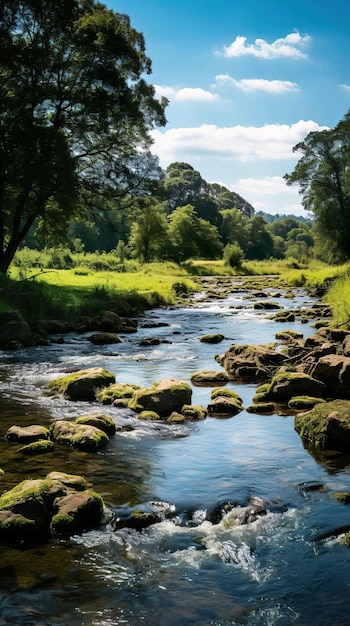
<point>327,425</point>
<point>83,384</point>
<point>76,512</point>
<point>163,397</point>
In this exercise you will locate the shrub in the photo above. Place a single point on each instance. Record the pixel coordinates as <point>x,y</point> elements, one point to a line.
<point>233,255</point>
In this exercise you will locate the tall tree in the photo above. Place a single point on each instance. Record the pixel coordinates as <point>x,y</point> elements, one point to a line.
<point>322,174</point>
<point>75,112</point>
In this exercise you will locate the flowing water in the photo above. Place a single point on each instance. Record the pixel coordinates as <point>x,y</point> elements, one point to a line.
<point>188,570</point>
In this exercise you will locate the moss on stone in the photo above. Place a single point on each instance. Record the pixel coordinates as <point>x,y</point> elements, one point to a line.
<point>342,496</point>
<point>81,385</point>
<point>209,377</point>
<point>163,397</point>
<point>262,408</point>
<point>303,403</point>
<point>194,412</point>
<point>37,447</point>
<point>98,420</point>
<point>327,425</point>
<point>226,393</point>
<point>117,391</point>
<point>149,415</point>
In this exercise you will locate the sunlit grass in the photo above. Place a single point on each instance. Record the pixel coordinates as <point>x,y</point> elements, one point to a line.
<point>338,297</point>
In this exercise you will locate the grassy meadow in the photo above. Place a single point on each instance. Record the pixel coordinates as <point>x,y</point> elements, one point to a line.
<point>60,284</point>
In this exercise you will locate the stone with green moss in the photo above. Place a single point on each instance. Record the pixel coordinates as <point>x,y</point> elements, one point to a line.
<point>342,496</point>
<point>176,418</point>
<point>262,408</point>
<point>83,384</point>
<point>99,420</point>
<point>327,425</point>
<point>286,384</point>
<point>76,512</point>
<point>149,415</point>
<point>288,335</point>
<point>303,403</point>
<point>209,377</point>
<point>27,434</point>
<point>226,393</point>
<point>224,406</point>
<point>163,397</point>
<point>194,412</point>
<point>116,391</point>
<point>28,510</point>
<point>102,339</point>
<point>80,436</point>
<point>37,447</point>
<point>214,338</point>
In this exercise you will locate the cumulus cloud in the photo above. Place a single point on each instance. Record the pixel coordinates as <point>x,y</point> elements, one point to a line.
<point>257,84</point>
<point>270,194</point>
<point>290,47</point>
<point>186,94</point>
<point>238,143</point>
<point>345,87</point>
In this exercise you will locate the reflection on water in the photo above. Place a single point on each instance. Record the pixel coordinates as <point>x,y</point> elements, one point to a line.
<point>190,569</point>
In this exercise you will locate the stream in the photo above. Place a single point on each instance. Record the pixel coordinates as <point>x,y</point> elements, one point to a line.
<point>186,569</point>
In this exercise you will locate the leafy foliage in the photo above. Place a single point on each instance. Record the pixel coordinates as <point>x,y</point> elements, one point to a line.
<point>75,113</point>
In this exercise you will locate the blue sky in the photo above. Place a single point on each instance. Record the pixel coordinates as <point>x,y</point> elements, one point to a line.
<point>246,81</point>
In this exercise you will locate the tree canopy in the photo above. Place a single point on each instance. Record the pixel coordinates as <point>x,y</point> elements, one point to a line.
<point>75,113</point>
<point>323,176</point>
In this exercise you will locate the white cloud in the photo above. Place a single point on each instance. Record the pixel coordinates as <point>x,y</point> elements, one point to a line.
<point>271,195</point>
<point>345,87</point>
<point>186,94</point>
<point>237,143</point>
<point>289,47</point>
<point>257,84</point>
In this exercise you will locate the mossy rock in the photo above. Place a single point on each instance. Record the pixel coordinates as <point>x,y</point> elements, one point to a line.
<point>149,415</point>
<point>194,412</point>
<point>98,420</point>
<point>37,447</point>
<point>214,338</point>
<point>285,385</point>
<point>80,436</point>
<point>303,403</point>
<point>27,434</point>
<point>176,418</point>
<point>342,496</point>
<point>141,519</point>
<point>226,393</point>
<point>262,408</point>
<point>60,503</point>
<point>163,397</point>
<point>209,377</point>
<point>102,339</point>
<point>288,335</point>
<point>82,385</point>
<point>327,425</point>
<point>117,391</point>
<point>77,512</point>
<point>223,406</point>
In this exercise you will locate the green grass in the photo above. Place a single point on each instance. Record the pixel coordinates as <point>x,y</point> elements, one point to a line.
<point>60,284</point>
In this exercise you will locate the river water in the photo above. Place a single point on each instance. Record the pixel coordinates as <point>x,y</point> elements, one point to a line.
<point>185,570</point>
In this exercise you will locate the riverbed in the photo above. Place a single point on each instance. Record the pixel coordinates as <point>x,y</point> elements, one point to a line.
<point>188,570</point>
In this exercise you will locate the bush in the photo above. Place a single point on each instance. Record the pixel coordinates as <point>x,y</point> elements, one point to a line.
<point>233,255</point>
